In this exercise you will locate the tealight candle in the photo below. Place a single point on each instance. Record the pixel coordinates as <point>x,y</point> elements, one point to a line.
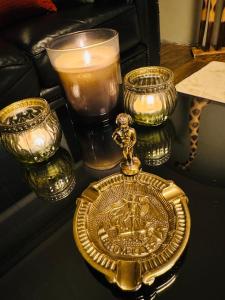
<point>149,95</point>
<point>34,140</point>
<point>30,130</point>
<point>150,104</point>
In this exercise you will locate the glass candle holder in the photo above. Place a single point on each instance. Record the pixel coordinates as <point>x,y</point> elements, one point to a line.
<point>149,95</point>
<point>30,130</point>
<point>87,63</point>
<point>53,179</point>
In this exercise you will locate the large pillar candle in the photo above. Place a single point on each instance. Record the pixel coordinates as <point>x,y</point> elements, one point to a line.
<point>89,70</point>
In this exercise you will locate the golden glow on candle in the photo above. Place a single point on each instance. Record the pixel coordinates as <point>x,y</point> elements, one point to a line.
<point>88,65</point>
<point>148,104</point>
<point>39,142</point>
<point>87,57</point>
<point>149,95</point>
<point>31,130</point>
<point>90,78</point>
<point>81,43</point>
<point>150,99</point>
<point>35,140</point>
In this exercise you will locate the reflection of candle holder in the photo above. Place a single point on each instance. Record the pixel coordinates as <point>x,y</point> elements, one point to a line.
<point>30,130</point>
<point>154,144</point>
<point>53,179</point>
<point>149,95</point>
<point>99,151</point>
<point>88,65</point>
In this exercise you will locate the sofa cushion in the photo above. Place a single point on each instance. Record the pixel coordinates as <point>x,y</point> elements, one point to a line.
<point>17,73</point>
<point>33,35</point>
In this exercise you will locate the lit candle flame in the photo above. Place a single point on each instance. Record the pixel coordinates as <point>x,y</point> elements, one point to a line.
<point>87,57</point>
<point>148,104</point>
<point>39,142</point>
<point>150,99</point>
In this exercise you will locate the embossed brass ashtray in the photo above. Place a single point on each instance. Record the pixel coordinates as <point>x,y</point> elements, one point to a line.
<point>132,228</point>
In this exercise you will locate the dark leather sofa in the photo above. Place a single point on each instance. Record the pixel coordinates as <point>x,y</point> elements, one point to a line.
<point>25,70</point>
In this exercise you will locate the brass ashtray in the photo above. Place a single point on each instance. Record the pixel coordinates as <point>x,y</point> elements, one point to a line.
<point>132,228</point>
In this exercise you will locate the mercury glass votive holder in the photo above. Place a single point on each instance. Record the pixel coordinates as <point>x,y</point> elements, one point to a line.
<point>149,95</point>
<point>30,130</point>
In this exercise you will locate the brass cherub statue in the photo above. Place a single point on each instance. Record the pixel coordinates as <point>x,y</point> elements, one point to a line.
<point>125,137</point>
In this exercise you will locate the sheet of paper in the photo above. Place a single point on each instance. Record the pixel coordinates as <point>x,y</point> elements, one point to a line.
<point>208,82</point>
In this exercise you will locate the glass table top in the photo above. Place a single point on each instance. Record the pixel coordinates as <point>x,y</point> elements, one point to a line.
<point>38,256</point>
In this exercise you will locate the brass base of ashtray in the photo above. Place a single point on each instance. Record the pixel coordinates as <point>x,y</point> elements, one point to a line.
<point>132,228</point>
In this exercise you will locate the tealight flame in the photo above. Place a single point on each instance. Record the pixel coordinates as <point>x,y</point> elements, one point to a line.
<point>150,99</point>
<point>39,142</point>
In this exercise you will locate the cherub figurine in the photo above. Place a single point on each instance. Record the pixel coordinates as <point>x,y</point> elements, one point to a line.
<point>125,137</point>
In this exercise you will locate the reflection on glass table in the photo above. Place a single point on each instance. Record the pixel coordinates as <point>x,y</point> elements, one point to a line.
<point>27,223</point>
<point>99,151</point>
<point>196,108</point>
<point>161,284</point>
<point>199,147</point>
<point>154,144</point>
<point>53,179</point>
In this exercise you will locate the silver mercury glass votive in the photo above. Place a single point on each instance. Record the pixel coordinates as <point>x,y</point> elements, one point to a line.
<point>30,130</point>
<point>149,95</point>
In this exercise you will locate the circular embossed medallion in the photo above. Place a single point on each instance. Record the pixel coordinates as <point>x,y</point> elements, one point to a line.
<point>132,229</point>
